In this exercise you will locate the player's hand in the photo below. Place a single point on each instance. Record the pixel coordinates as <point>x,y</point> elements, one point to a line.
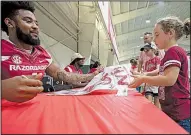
<point>138,80</point>
<point>99,70</point>
<point>21,89</point>
<point>36,77</point>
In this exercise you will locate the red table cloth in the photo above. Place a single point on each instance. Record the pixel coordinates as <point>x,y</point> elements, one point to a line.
<point>101,112</point>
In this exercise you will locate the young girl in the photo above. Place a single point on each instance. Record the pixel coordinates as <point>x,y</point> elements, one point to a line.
<point>134,69</point>
<point>94,67</point>
<point>152,65</point>
<point>174,90</point>
<point>133,65</point>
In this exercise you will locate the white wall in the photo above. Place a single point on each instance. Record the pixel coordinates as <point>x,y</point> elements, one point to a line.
<point>58,31</point>
<point>54,23</point>
<point>115,61</point>
<point>104,48</point>
<point>110,59</point>
<point>100,46</point>
<point>88,35</point>
<point>95,44</point>
<point>87,28</point>
<point>61,54</point>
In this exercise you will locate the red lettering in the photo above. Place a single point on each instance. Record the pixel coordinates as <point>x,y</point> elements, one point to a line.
<point>105,79</point>
<point>116,70</point>
<point>123,77</point>
<point>121,81</point>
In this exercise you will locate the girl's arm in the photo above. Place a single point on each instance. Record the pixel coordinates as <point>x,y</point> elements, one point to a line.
<point>168,79</point>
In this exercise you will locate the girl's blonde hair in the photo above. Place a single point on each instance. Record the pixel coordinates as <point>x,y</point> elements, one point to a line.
<point>173,22</point>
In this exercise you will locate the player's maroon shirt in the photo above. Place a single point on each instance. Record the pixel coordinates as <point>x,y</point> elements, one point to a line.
<point>16,62</point>
<point>72,69</point>
<point>175,100</point>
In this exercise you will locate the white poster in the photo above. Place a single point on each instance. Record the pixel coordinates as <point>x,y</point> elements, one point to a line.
<point>112,78</point>
<point>104,7</point>
<point>106,13</point>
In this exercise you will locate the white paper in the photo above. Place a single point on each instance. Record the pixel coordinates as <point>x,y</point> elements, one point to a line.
<point>112,78</point>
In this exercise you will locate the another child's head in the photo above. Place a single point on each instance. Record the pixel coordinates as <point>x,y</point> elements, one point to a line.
<point>91,65</point>
<point>168,30</point>
<point>96,64</point>
<point>150,50</point>
<point>133,62</point>
<point>187,26</point>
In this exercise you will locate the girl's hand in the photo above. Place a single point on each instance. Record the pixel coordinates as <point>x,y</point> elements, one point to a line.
<point>138,80</point>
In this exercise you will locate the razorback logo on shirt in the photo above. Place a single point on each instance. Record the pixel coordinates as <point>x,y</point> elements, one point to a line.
<point>26,68</point>
<point>16,61</point>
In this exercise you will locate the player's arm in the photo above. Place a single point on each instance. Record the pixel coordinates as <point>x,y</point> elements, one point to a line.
<point>77,85</point>
<point>168,79</point>
<point>60,74</point>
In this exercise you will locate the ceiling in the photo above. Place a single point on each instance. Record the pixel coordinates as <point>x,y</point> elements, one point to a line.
<point>129,20</point>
